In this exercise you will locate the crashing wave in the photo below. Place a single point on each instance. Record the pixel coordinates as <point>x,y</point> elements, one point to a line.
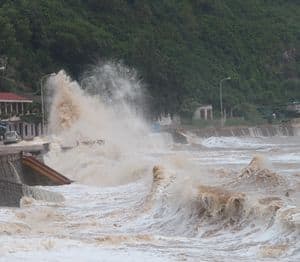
<point>229,142</point>
<point>221,203</point>
<point>259,175</point>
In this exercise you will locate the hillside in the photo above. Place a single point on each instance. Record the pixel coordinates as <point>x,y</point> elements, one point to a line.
<point>181,49</point>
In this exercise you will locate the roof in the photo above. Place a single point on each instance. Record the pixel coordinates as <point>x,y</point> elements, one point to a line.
<point>204,106</point>
<point>12,97</point>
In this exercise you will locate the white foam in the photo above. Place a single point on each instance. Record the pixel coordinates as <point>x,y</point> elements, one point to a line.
<point>87,253</point>
<point>233,142</point>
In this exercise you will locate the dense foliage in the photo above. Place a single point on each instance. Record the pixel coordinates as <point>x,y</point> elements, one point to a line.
<point>181,48</point>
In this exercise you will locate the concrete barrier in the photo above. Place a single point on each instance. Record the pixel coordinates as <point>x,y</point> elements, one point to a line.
<point>11,194</point>
<point>10,168</point>
<point>15,181</point>
<point>284,129</point>
<point>39,172</point>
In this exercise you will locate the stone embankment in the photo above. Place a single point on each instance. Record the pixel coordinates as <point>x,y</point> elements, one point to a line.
<point>17,179</point>
<point>11,194</point>
<point>290,128</point>
<point>295,123</point>
<point>244,131</point>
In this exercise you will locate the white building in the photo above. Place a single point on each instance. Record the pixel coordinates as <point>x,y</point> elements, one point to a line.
<point>167,120</point>
<point>204,112</point>
<point>12,107</point>
<point>294,107</point>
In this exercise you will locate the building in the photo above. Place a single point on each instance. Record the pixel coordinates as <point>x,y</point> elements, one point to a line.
<point>294,107</point>
<point>12,108</point>
<point>204,112</point>
<point>167,120</point>
<point>13,104</point>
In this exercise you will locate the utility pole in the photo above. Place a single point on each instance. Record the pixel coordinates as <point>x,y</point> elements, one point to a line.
<point>2,67</point>
<point>221,99</point>
<point>42,99</point>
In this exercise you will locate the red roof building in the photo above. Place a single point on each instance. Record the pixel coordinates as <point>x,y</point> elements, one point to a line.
<point>12,104</point>
<point>12,108</point>
<point>12,97</point>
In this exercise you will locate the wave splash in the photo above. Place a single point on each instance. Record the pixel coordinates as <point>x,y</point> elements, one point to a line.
<point>251,206</point>
<point>107,109</point>
<point>182,199</point>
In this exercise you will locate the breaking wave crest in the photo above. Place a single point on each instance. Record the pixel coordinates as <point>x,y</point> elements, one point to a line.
<point>230,142</point>
<point>209,211</point>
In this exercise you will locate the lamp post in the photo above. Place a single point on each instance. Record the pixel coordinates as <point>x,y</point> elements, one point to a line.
<point>2,68</point>
<point>42,98</point>
<point>221,99</point>
<point>3,62</point>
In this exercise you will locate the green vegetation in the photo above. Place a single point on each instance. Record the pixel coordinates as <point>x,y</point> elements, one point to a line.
<point>181,49</point>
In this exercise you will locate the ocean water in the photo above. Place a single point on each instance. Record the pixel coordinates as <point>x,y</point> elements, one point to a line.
<point>141,197</point>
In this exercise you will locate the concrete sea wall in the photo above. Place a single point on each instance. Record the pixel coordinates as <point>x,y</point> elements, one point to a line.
<point>179,133</point>
<point>15,181</point>
<point>290,128</point>
<point>11,194</point>
<point>259,131</point>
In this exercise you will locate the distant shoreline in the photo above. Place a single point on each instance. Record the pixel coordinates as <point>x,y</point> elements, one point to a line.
<point>290,128</point>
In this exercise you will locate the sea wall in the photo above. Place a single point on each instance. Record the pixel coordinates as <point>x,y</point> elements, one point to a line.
<point>290,128</point>
<point>295,123</point>
<point>12,170</point>
<point>15,181</point>
<point>11,194</point>
<point>256,131</point>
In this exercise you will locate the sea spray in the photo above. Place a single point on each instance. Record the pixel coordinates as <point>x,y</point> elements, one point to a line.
<point>65,108</point>
<point>117,85</point>
<point>180,198</point>
<point>108,109</point>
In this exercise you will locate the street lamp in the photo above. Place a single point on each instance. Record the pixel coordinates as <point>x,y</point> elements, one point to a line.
<point>2,68</point>
<point>42,98</point>
<point>221,101</point>
<point>3,62</point>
